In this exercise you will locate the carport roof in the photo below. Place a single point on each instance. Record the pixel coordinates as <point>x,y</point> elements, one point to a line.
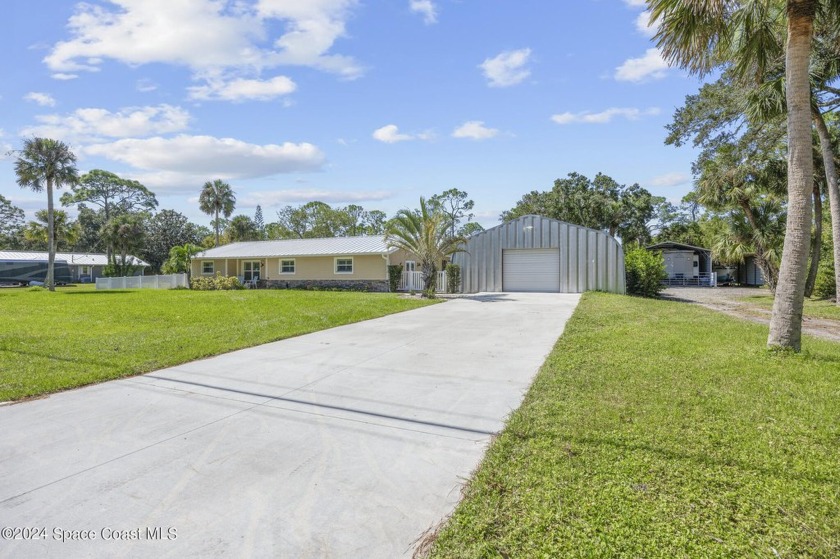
<point>335,246</point>
<point>679,246</point>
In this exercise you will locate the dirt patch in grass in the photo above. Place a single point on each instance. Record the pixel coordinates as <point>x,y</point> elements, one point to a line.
<point>755,305</point>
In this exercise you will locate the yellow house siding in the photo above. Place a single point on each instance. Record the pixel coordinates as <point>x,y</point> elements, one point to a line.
<point>367,267</point>
<point>323,268</point>
<point>218,266</point>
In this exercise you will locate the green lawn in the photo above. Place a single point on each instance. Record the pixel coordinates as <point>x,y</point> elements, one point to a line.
<point>660,430</point>
<point>77,335</point>
<point>813,308</point>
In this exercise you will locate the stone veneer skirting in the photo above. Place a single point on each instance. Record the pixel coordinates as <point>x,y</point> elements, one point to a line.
<point>332,285</point>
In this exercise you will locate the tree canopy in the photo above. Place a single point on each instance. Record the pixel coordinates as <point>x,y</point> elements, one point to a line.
<point>601,203</point>
<point>111,194</point>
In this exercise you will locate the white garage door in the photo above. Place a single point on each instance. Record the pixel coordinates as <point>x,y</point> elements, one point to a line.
<point>536,269</point>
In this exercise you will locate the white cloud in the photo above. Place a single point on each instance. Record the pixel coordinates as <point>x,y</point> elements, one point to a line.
<point>651,65</point>
<point>636,3</point>
<point>507,68</point>
<point>93,123</point>
<point>390,134</point>
<point>475,130</point>
<point>603,117</point>
<point>279,197</point>
<point>644,26</point>
<point>205,35</point>
<point>64,76</point>
<point>43,99</point>
<point>184,161</point>
<point>425,7</point>
<point>243,89</point>
<point>670,179</point>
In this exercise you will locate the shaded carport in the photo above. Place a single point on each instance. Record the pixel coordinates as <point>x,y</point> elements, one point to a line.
<point>539,254</point>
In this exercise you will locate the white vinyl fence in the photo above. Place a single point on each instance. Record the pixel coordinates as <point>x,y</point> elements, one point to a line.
<point>413,281</point>
<point>143,282</point>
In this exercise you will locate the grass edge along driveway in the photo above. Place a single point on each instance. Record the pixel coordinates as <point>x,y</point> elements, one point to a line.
<point>77,336</point>
<point>660,429</point>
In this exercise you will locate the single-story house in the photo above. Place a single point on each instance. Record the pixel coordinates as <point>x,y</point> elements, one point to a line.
<point>686,264</point>
<point>530,253</point>
<point>70,267</point>
<point>358,263</point>
<point>540,254</point>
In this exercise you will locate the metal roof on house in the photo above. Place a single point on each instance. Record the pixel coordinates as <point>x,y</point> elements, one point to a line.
<point>333,246</point>
<point>72,258</point>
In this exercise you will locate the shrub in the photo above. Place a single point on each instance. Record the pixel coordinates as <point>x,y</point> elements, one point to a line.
<point>644,271</point>
<point>216,283</point>
<point>394,276</point>
<point>825,287</point>
<point>453,278</point>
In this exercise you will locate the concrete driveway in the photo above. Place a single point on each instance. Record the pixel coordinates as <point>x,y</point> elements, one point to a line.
<point>349,442</point>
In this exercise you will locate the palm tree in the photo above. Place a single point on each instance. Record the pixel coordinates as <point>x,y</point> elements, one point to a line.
<point>125,233</point>
<point>217,198</point>
<point>427,235</point>
<point>46,163</point>
<point>65,232</point>
<point>180,259</point>
<point>698,36</point>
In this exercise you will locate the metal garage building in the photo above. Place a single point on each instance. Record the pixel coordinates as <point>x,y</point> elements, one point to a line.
<point>534,253</point>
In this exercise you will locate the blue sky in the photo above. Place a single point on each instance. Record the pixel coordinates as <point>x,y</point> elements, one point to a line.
<point>373,102</point>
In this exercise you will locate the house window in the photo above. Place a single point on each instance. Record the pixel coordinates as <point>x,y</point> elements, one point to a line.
<point>251,270</point>
<point>84,270</point>
<point>410,266</point>
<point>343,265</point>
<point>287,266</point>
<point>207,267</point>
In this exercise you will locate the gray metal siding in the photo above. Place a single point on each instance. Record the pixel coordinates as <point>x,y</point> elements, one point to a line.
<point>588,259</point>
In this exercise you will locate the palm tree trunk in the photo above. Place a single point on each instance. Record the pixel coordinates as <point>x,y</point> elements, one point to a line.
<point>833,191</point>
<point>429,277</point>
<point>786,321</point>
<point>109,247</point>
<point>50,279</point>
<point>217,227</point>
<point>816,242</point>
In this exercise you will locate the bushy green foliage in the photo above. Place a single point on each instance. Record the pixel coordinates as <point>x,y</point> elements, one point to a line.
<point>826,286</point>
<point>453,278</point>
<point>216,283</point>
<point>394,275</point>
<point>118,270</point>
<point>644,272</point>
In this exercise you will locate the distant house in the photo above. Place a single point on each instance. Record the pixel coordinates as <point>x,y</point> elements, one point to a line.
<point>70,267</point>
<point>686,265</point>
